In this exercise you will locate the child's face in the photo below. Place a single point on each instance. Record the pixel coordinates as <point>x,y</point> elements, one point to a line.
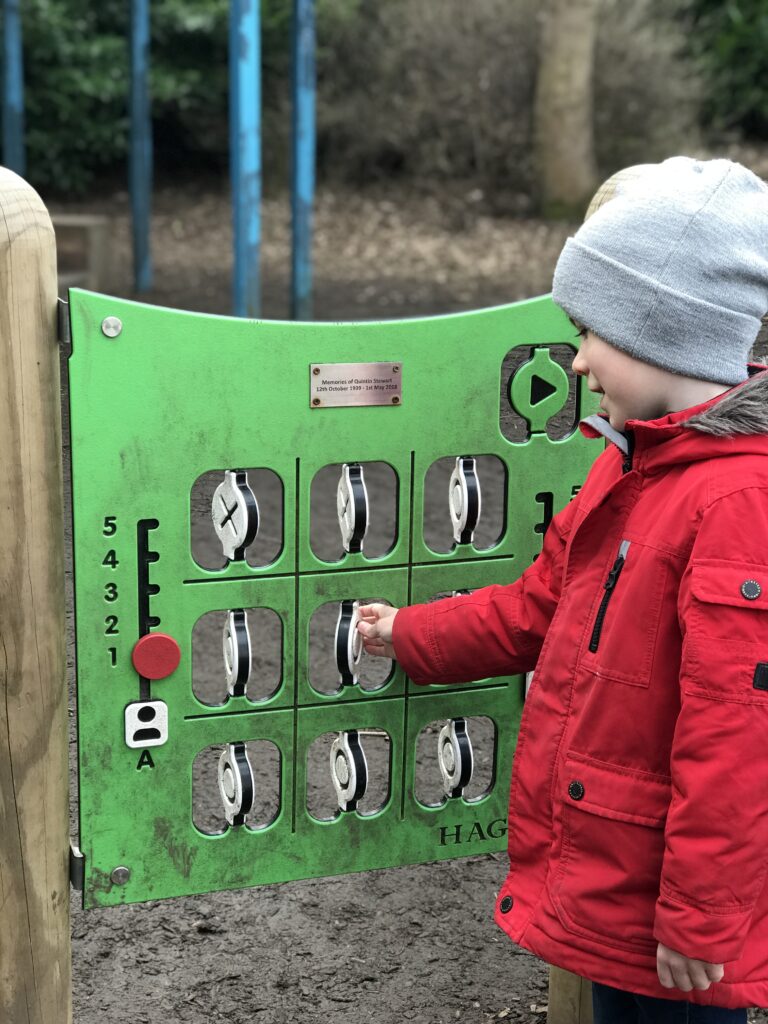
<point>630,389</point>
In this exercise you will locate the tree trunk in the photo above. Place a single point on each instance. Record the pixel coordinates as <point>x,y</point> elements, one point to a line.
<point>563,107</point>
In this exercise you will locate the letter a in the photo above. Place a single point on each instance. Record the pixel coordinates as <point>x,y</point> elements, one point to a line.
<point>476,832</point>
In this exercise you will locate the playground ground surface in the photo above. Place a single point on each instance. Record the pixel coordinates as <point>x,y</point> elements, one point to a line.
<point>413,943</point>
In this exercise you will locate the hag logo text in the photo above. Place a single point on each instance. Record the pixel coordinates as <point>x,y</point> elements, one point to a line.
<point>454,834</point>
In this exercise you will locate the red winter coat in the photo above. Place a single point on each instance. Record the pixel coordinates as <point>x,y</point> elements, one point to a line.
<point>639,800</point>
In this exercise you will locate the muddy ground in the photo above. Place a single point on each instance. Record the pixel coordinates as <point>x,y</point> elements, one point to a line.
<point>408,944</point>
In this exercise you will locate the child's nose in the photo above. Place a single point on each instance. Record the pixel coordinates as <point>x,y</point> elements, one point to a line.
<point>579,365</point>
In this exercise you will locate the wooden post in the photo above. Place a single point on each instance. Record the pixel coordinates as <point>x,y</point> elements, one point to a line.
<point>35,944</point>
<point>570,998</point>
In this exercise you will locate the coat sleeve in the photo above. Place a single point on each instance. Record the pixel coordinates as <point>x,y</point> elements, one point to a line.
<point>716,834</point>
<point>494,631</point>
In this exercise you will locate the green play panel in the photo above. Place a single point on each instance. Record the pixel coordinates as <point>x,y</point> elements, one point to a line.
<point>158,399</point>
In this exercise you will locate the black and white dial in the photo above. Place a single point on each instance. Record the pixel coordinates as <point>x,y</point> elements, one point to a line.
<point>352,507</point>
<point>464,499</point>
<point>348,643</point>
<point>235,514</point>
<point>236,784</point>
<point>236,643</point>
<point>349,770</point>
<point>454,755</point>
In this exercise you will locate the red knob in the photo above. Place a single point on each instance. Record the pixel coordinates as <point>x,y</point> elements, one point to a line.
<point>156,656</point>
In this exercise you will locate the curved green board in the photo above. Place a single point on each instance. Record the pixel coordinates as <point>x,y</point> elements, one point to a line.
<point>166,396</point>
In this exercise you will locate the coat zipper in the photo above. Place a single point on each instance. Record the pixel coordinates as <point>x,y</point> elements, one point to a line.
<point>609,587</point>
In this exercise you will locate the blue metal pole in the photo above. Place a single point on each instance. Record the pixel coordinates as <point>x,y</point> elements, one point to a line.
<point>140,161</point>
<point>245,152</point>
<point>14,154</point>
<point>303,183</point>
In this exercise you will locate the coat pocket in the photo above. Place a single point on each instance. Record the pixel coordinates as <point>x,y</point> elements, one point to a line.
<point>620,639</point>
<point>726,618</point>
<point>730,599</point>
<point>607,881</point>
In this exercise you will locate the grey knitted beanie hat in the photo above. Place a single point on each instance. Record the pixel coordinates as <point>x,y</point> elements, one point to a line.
<point>673,267</point>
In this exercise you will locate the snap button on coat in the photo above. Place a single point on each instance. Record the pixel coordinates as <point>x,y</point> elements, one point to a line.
<point>576,790</point>
<point>751,589</point>
<point>506,904</point>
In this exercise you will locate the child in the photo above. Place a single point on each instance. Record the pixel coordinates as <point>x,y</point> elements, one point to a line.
<point>638,836</point>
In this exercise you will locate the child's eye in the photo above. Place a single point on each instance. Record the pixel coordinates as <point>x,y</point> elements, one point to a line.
<point>581,332</point>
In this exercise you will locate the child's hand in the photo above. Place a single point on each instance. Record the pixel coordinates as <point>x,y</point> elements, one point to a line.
<point>375,624</point>
<point>678,971</point>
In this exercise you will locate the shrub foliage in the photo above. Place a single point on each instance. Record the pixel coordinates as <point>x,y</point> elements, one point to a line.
<point>730,41</point>
<point>432,89</point>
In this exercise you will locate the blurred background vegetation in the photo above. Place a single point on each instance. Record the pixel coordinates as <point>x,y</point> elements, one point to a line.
<point>424,90</point>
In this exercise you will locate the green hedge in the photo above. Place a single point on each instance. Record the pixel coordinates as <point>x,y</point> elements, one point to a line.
<point>730,41</point>
<point>77,68</point>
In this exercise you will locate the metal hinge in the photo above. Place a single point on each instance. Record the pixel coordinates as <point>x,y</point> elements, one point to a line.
<point>76,867</point>
<point>64,333</point>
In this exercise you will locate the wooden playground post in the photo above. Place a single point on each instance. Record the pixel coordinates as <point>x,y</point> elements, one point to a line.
<point>35,943</point>
<point>570,998</point>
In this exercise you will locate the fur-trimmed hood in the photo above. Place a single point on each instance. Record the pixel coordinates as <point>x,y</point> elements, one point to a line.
<point>743,410</point>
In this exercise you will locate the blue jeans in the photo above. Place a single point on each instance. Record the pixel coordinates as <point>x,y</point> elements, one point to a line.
<point>612,1006</point>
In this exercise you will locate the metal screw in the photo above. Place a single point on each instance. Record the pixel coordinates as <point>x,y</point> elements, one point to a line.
<point>120,875</point>
<point>111,326</point>
<point>395,400</point>
<point>395,369</point>
<point>315,401</point>
<point>315,370</point>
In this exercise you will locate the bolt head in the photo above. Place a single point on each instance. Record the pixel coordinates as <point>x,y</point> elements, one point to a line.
<point>120,875</point>
<point>315,401</point>
<point>111,326</point>
<point>395,400</point>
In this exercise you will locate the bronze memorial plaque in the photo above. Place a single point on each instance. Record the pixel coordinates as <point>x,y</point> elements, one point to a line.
<point>336,384</point>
